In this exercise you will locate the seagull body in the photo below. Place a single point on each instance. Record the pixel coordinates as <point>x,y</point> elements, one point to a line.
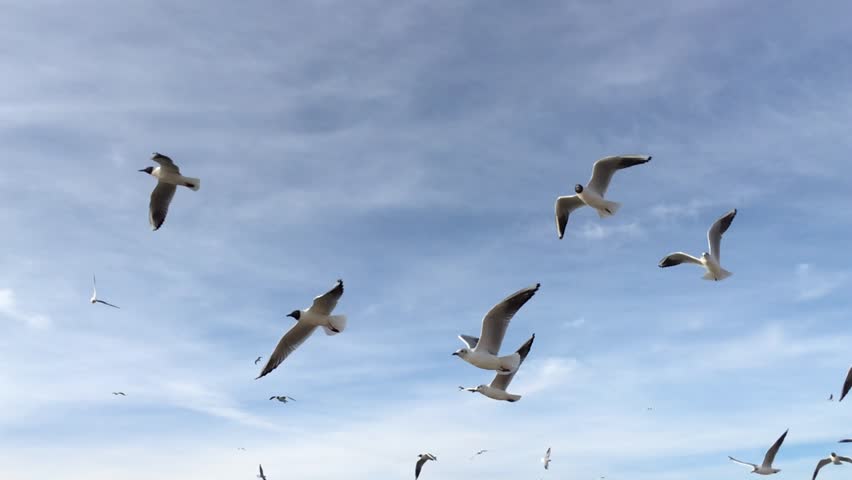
<point>483,352</point>
<point>546,459</point>
<point>847,385</point>
<point>832,459</point>
<point>94,298</point>
<point>766,467</point>
<point>497,389</point>
<point>119,393</point>
<point>168,178</point>
<point>422,459</point>
<point>594,191</point>
<point>710,261</point>
<point>282,398</point>
<point>261,475</point>
<point>317,315</point>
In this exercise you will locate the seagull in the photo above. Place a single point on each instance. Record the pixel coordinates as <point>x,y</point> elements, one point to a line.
<point>282,398</point>
<point>833,458</point>
<point>94,299</point>
<point>478,454</point>
<point>422,458</point>
<point>847,385</point>
<point>257,360</point>
<point>594,191</point>
<point>482,352</point>
<point>710,261</point>
<point>766,468</point>
<point>497,389</point>
<point>261,475</point>
<point>318,314</point>
<point>119,393</point>
<point>546,459</point>
<point>168,178</point>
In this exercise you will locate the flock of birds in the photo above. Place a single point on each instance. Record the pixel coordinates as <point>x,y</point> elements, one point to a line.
<point>484,351</point>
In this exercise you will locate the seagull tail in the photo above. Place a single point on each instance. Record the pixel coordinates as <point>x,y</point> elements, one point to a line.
<point>512,398</point>
<point>609,209</point>
<point>336,324</point>
<point>193,183</point>
<point>722,275</point>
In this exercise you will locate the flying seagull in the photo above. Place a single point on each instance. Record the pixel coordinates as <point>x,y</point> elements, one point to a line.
<point>95,294</point>
<point>257,360</point>
<point>497,389</point>
<point>847,385</point>
<point>593,193</point>
<point>766,468</point>
<point>482,352</point>
<point>421,459</point>
<point>546,459</point>
<point>282,398</point>
<point>317,315</point>
<point>261,475</point>
<point>833,458</point>
<point>710,261</point>
<point>168,178</point>
<point>119,393</point>
<point>478,454</point>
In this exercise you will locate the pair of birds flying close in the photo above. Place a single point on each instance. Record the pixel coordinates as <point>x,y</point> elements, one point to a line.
<point>483,352</point>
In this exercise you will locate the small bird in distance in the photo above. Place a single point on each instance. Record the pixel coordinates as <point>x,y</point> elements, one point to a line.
<point>257,360</point>
<point>261,475</point>
<point>422,459</point>
<point>94,298</point>
<point>119,393</point>
<point>282,398</point>
<point>168,178</point>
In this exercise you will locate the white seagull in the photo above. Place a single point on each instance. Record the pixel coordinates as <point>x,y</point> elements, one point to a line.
<point>261,474</point>
<point>282,398</point>
<point>593,193</point>
<point>317,315</point>
<point>766,468</point>
<point>94,298</point>
<point>421,459</point>
<point>168,178</point>
<point>482,352</point>
<point>834,459</point>
<point>497,389</point>
<point>546,459</point>
<point>710,261</point>
<point>847,385</point>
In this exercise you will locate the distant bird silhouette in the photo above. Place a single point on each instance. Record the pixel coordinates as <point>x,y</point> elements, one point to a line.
<point>422,459</point>
<point>478,454</point>
<point>261,475</point>
<point>119,393</point>
<point>831,397</point>
<point>94,298</point>
<point>257,360</point>
<point>282,398</point>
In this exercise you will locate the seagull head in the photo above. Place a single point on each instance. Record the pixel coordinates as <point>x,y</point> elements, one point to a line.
<point>147,170</point>
<point>462,352</point>
<point>578,188</point>
<point>295,314</point>
<point>705,255</point>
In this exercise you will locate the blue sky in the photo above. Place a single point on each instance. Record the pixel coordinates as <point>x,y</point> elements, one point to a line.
<point>415,150</point>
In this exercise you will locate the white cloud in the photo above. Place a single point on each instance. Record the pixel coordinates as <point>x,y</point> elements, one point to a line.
<point>9,308</point>
<point>813,284</point>
<point>576,323</point>
<point>597,231</point>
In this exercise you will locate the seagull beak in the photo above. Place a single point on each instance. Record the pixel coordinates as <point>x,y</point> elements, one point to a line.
<point>291,315</point>
<point>456,354</point>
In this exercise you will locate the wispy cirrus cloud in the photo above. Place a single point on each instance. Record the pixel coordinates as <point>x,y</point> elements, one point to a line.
<point>10,309</point>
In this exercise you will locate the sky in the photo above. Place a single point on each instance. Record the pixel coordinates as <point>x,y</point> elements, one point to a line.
<point>415,150</point>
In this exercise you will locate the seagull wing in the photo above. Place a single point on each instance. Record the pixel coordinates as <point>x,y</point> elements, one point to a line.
<point>677,258</point>
<point>564,207</point>
<point>257,360</point>
<point>161,197</point>
<point>107,303</point>
<point>605,168</point>
<point>326,302</point>
<point>773,450</point>
<point>165,162</point>
<point>822,463</point>
<point>844,459</point>
<point>847,385</point>
<point>502,381</point>
<point>288,343</point>
<point>94,287</point>
<point>848,440</point>
<point>742,463</point>
<point>714,235</point>
<point>469,341</point>
<point>496,321</point>
<point>419,466</point>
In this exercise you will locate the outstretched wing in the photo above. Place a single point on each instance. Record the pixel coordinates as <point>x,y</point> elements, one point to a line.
<point>496,321</point>
<point>158,208</point>
<point>107,303</point>
<point>419,466</point>
<point>165,162</point>
<point>714,235</point>
<point>502,381</point>
<point>773,450</point>
<point>677,258</point>
<point>326,302</point>
<point>469,341</point>
<point>822,463</point>
<point>288,343</point>
<point>742,463</point>
<point>847,385</point>
<point>564,207</point>
<point>605,168</point>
